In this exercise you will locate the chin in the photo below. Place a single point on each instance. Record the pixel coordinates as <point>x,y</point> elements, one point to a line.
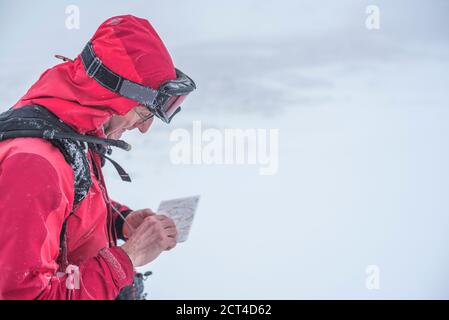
<point>115,136</point>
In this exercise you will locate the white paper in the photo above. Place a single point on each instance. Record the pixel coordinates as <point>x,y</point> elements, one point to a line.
<point>182,211</point>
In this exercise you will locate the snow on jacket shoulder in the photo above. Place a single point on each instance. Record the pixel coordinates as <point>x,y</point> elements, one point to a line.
<point>36,195</point>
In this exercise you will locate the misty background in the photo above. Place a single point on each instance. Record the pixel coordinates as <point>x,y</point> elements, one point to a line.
<point>363,160</point>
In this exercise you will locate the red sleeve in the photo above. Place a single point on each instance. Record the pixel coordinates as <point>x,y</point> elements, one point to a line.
<point>33,206</point>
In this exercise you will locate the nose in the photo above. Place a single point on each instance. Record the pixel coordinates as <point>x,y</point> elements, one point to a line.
<point>144,127</point>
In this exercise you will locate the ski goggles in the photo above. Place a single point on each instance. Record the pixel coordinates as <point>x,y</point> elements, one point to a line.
<point>164,103</point>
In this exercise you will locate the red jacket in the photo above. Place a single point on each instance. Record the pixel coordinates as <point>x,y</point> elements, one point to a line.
<point>36,183</point>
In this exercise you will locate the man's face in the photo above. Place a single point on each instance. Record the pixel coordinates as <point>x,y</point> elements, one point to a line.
<point>136,118</point>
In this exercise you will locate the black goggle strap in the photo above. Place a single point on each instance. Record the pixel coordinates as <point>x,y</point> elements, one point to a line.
<point>110,80</point>
<point>144,95</point>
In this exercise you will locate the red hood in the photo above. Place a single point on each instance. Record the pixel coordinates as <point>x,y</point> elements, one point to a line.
<point>127,45</point>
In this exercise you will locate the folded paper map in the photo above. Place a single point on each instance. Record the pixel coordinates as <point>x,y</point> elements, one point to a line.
<point>182,211</point>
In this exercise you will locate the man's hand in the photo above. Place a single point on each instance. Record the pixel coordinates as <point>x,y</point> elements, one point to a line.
<point>134,220</point>
<point>155,234</point>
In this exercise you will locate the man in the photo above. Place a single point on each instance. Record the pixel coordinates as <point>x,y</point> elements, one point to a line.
<point>59,226</point>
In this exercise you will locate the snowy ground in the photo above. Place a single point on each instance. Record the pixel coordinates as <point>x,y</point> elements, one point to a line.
<point>363,176</point>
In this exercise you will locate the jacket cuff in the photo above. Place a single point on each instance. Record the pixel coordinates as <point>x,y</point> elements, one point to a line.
<point>119,224</point>
<point>120,264</point>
